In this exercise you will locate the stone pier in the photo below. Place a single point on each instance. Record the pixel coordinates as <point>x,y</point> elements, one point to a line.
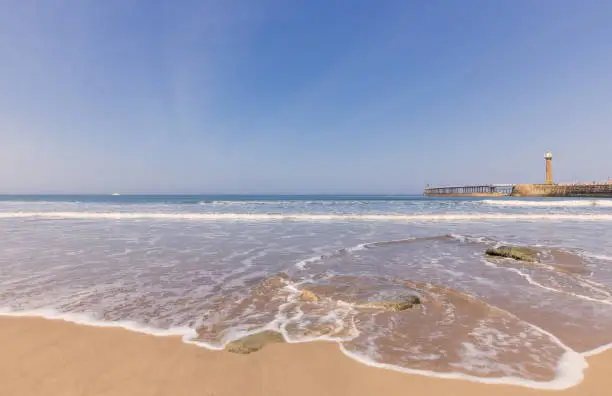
<point>603,190</point>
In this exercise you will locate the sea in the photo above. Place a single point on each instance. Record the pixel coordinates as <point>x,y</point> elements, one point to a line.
<point>214,269</point>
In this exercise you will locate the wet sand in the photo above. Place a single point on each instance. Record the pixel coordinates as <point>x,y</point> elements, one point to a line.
<point>49,357</point>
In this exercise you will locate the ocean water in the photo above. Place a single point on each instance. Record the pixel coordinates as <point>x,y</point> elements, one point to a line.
<point>216,268</point>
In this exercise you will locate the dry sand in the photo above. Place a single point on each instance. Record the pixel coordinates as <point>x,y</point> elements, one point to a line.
<point>47,357</point>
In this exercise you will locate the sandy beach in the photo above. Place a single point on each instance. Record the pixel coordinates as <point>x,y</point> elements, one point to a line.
<point>53,357</point>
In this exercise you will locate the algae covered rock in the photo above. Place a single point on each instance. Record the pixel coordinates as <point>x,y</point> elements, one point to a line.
<point>308,296</point>
<point>514,252</point>
<point>254,342</point>
<point>273,282</point>
<point>398,305</point>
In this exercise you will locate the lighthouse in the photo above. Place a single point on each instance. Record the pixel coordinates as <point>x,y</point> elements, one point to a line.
<point>549,177</point>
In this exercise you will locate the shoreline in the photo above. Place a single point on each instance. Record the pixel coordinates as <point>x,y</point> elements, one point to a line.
<point>57,357</point>
<point>188,336</point>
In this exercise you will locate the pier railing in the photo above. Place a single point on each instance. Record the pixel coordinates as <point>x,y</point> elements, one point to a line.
<point>476,190</point>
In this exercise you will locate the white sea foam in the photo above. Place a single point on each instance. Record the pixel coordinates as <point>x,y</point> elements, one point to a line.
<point>570,372</point>
<point>549,204</point>
<point>469,239</point>
<point>595,256</point>
<point>303,264</point>
<point>533,282</point>
<point>188,335</point>
<point>288,202</point>
<point>597,350</point>
<point>229,203</point>
<point>307,217</point>
<point>83,319</point>
<point>361,246</point>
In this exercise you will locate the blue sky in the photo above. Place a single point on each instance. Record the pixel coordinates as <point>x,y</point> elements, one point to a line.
<point>311,96</point>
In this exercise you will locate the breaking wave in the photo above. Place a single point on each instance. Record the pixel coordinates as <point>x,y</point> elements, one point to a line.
<point>550,204</point>
<point>283,203</point>
<point>308,217</point>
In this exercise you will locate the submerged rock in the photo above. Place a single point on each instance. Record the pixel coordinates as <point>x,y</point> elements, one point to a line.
<point>273,282</point>
<point>254,342</point>
<point>515,252</point>
<point>394,306</point>
<point>308,296</point>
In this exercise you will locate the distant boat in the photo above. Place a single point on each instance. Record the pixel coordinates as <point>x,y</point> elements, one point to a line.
<point>115,194</point>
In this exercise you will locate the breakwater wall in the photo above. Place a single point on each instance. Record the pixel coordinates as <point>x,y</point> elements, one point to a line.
<point>562,190</point>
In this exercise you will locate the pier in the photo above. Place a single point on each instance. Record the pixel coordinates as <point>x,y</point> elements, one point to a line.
<point>547,189</point>
<point>486,190</point>
<point>603,190</point>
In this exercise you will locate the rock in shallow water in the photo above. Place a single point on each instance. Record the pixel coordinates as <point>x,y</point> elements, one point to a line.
<point>366,297</point>
<point>515,252</point>
<point>394,306</point>
<point>254,342</point>
<point>308,296</point>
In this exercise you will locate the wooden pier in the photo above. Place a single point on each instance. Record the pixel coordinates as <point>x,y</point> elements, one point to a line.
<point>485,190</point>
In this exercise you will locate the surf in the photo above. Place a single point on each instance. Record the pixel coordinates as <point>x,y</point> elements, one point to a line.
<point>308,217</point>
<point>584,203</point>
